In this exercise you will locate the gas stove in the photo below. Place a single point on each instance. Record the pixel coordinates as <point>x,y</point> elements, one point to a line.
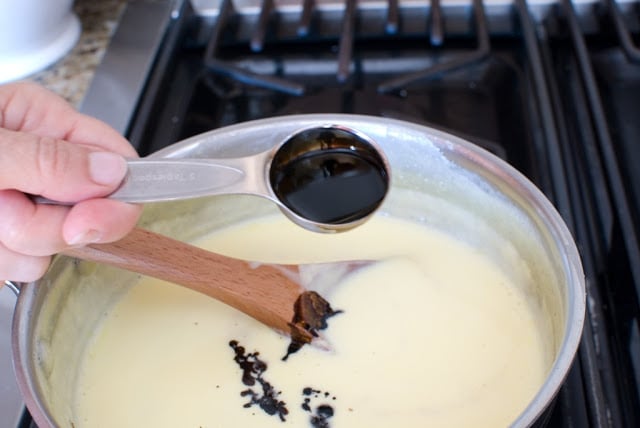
<point>552,87</point>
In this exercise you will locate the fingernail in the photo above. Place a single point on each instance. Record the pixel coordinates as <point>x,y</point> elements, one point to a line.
<point>87,237</point>
<point>107,168</point>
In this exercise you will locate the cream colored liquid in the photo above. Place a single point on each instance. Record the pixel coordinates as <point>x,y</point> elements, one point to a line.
<point>433,335</point>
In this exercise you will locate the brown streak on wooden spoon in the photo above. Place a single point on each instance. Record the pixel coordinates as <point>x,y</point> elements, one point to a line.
<point>265,293</point>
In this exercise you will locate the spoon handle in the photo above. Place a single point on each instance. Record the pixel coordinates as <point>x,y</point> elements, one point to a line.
<point>156,180</point>
<point>266,293</point>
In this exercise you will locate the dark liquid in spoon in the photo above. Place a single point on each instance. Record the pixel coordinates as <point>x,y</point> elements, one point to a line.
<point>336,182</point>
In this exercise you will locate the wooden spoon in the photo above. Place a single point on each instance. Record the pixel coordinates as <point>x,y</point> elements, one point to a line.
<point>268,293</point>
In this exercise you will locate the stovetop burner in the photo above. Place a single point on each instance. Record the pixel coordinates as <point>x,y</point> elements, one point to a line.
<point>551,87</point>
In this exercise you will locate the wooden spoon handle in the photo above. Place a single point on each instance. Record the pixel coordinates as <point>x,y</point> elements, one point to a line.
<point>265,293</point>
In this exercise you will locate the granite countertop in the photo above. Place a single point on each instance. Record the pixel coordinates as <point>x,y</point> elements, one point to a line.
<point>70,76</point>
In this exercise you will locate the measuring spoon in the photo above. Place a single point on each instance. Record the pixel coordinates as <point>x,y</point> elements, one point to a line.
<point>325,179</point>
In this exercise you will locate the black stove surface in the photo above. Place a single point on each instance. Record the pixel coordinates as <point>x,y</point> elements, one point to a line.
<point>483,103</point>
<point>561,106</point>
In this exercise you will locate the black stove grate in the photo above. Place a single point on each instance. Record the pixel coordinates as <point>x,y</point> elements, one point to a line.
<point>459,61</point>
<point>631,50</point>
<point>219,66</point>
<point>345,42</point>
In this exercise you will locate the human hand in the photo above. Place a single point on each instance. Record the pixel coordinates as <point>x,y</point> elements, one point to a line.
<point>47,148</point>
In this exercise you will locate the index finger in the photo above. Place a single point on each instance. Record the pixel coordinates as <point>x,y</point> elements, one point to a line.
<point>57,169</point>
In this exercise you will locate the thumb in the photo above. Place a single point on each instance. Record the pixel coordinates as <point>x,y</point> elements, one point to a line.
<point>57,169</point>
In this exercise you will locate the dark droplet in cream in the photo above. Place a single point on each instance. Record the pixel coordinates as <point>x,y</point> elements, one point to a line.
<point>253,369</point>
<point>322,413</point>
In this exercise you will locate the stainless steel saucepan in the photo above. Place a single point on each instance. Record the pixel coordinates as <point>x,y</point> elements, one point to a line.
<point>56,316</point>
